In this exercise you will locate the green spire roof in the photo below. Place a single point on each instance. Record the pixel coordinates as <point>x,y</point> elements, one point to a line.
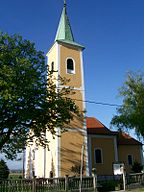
<point>64,32</point>
<point>64,29</point>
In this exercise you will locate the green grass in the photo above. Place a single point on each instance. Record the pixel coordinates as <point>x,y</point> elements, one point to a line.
<point>15,176</point>
<point>135,190</point>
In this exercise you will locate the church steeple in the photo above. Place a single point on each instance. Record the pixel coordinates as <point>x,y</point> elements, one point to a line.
<point>64,32</point>
<point>64,2</point>
<point>65,59</point>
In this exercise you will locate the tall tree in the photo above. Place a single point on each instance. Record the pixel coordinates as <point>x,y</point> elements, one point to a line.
<point>29,103</point>
<point>131,113</point>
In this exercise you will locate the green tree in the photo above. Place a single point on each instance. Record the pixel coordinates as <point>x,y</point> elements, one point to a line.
<point>4,170</point>
<point>29,103</point>
<point>131,113</point>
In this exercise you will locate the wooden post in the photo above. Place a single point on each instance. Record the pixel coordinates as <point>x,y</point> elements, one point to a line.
<point>123,176</point>
<point>81,168</point>
<point>124,180</point>
<point>66,182</point>
<point>94,179</point>
<point>34,185</point>
<point>23,163</point>
<point>95,183</point>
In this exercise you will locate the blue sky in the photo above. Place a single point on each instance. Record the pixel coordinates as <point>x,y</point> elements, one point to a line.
<point>111,30</point>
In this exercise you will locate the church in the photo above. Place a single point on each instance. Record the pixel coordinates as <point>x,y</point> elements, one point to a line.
<point>85,140</point>
<point>66,57</point>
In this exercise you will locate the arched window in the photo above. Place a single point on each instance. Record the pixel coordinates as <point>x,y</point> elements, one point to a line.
<point>98,155</point>
<point>52,67</point>
<point>70,66</point>
<point>130,159</point>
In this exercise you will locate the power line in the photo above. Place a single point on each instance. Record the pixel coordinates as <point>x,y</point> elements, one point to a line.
<point>99,103</point>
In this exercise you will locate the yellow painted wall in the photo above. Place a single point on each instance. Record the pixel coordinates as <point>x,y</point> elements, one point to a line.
<point>75,79</point>
<point>52,56</point>
<point>125,150</point>
<point>78,99</point>
<point>70,142</point>
<point>67,52</point>
<point>71,145</point>
<point>107,146</point>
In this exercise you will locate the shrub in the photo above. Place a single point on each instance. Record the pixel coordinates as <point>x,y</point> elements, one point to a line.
<point>4,170</point>
<point>137,167</point>
<point>108,185</point>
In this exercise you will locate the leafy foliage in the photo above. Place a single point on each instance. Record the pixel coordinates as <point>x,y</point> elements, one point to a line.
<point>29,103</point>
<point>4,171</point>
<point>76,169</point>
<point>131,113</point>
<point>107,185</point>
<point>137,167</point>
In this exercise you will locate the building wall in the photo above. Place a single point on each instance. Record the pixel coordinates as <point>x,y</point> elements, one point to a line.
<point>51,156</point>
<point>76,79</point>
<point>34,164</point>
<point>70,52</point>
<point>71,151</point>
<point>125,150</point>
<point>72,140</point>
<point>39,162</point>
<point>66,151</point>
<point>52,56</point>
<point>108,148</point>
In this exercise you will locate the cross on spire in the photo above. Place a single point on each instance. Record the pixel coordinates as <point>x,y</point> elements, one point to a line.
<point>64,2</point>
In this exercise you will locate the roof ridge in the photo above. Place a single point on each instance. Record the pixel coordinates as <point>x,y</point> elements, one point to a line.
<point>98,122</point>
<point>126,139</point>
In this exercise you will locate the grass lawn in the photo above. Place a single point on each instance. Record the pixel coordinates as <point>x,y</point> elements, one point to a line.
<point>136,190</point>
<point>15,176</point>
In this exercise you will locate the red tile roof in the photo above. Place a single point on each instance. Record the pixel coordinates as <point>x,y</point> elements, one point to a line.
<point>125,139</point>
<point>94,126</point>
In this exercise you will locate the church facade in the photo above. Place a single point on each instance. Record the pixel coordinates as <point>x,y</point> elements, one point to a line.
<point>84,140</point>
<point>65,58</point>
<point>106,147</point>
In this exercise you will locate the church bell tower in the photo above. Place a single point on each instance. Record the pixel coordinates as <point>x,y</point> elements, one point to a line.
<point>67,151</point>
<point>66,57</point>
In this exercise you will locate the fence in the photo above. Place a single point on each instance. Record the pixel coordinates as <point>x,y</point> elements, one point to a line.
<point>48,185</point>
<point>135,180</point>
<point>114,182</point>
<point>71,184</point>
